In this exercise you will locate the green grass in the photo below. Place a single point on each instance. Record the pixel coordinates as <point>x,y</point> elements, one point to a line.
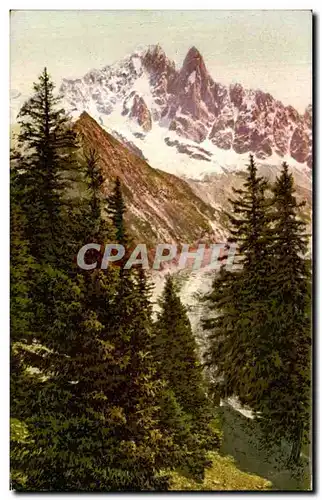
<point>223,475</point>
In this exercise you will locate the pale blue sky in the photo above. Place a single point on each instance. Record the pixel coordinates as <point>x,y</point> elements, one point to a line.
<point>270,50</point>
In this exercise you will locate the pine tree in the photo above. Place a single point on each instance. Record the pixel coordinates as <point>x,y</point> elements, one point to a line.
<point>69,423</point>
<point>22,271</point>
<point>71,428</point>
<point>175,350</point>
<point>285,406</point>
<point>45,158</point>
<point>225,357</point>
<point>140,453</point>
<point>94,422</point>
<point>249,220</point>
<point>260,315</point>
<point>100,227</point>
<point>238,300</point>
<point>140,388</point>
<point>115,210</point>
<point>144,452</point>
<point>92,226</point>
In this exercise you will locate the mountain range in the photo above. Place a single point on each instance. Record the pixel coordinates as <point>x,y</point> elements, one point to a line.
<point>183,117</point>
<point>179,141</point>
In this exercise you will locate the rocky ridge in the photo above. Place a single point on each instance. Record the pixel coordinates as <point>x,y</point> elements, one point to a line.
<point>161,208</point>
<point>149,91</point>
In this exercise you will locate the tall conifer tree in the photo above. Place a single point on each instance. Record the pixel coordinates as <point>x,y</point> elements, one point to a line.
<point>175,350</point>
<point>67,418</point>
<point>139,385</point>
<point>286,403</point>
<point>45,158</point>
<point>116,210</point>
<point>23,269</point>
<point>260,315</point>
<point>237,303</point>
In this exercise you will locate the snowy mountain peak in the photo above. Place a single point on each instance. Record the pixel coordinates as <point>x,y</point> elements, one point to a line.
<point>147,100</point>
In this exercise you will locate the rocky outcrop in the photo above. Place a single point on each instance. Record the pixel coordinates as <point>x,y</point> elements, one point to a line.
<point>141,114</point>
<point>300,145</point>
<point>193,151</point>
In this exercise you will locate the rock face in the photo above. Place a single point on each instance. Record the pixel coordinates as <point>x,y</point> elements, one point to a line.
<point>161,208</point>
<point>152,93</point>
<point>141,113</point>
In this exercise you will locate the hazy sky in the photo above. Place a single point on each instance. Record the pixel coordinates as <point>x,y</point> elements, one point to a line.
<point>270,50</point>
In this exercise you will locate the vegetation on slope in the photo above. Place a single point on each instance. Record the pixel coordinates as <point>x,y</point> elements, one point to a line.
<point>222,475</point>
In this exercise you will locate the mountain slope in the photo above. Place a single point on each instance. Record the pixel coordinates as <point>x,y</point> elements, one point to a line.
<point>161,208</point>
<point>146,99</point>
